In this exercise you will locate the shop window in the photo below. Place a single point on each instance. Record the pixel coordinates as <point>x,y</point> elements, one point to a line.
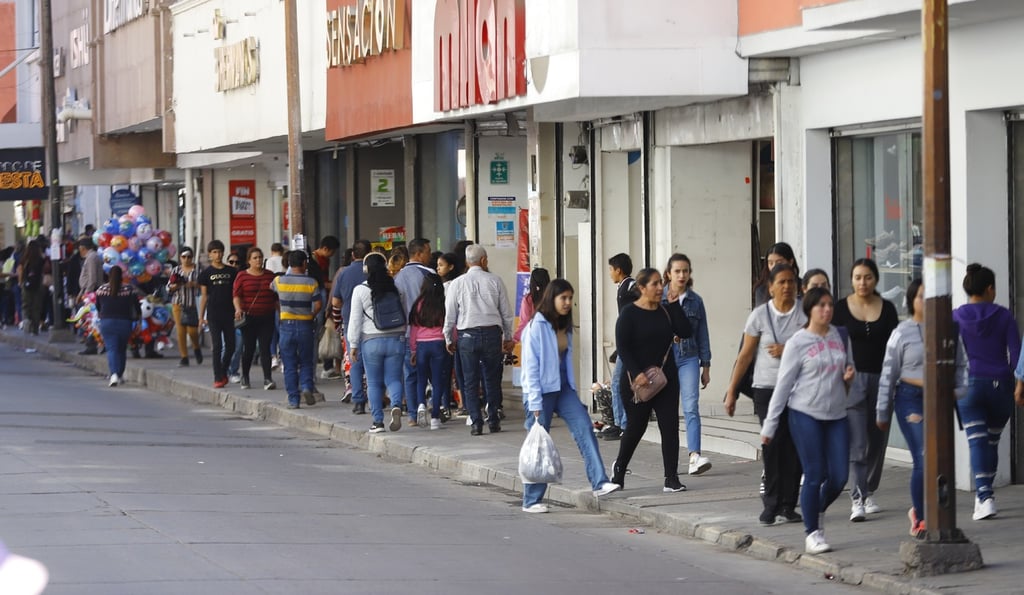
<point>879,210</point>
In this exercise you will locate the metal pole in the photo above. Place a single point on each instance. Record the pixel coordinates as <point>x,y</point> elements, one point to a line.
<point>50,142</point>
<point>291,34</point>
<point>939,336</point>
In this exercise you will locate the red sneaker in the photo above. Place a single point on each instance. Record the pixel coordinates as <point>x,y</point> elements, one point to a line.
<point>221,383</point>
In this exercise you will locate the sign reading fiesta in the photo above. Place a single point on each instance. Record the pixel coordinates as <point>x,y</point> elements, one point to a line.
<point>479,52</point>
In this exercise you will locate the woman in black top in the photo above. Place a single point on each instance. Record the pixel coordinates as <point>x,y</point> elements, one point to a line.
<point>30,278</point>
<point>870,320</point>
<point>118,306</point>
<point>644,334</point>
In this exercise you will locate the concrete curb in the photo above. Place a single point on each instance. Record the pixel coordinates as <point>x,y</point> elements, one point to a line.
<point>398,448</point>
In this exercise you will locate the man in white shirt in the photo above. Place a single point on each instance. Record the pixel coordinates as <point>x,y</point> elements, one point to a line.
<point>478,329</point>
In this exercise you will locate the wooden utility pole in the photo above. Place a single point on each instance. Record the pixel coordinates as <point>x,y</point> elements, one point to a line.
<point>49,124</point>
<point>291,60</point>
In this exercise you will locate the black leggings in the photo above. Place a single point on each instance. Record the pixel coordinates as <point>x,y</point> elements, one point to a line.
<point>259,328</point>
<point>782,469</point>
<point>665,405</point>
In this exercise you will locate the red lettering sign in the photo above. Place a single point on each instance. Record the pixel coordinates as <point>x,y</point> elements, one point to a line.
<point>243,212</point>
<point>479,52</point>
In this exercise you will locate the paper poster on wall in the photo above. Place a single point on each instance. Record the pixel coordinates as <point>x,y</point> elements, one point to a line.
<point>243,212</point>
<point>501,207</point>
<point>394,234</point>
<point>505,234</point>
<point>382,187</point>
<point>499,169</point>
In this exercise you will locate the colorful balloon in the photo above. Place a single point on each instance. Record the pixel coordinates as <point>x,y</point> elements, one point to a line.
<point>136,211</point>
<point>153,266</point>
<point>154,244</point>
<point>143,219</point>
<point>111,255</point>
<point>136,268</point>
<point>128,255</point>
<point>96,237</point>
<point>119,243</point>
<point>134,243</point>
<point>162,256</point>
<point>103,240</point>
<point>165,237</point>
<point>112,227</point>
<point>144,253</point>
<point>143,277</point>
<point>171,250</point>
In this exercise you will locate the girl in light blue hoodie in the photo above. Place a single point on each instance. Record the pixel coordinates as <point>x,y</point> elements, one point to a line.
<point>549,385</point>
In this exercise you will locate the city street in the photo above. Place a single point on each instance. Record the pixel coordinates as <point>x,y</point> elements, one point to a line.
<point>119,490</point>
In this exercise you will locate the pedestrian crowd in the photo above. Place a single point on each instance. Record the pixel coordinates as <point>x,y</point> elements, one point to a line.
<point>419,337</point>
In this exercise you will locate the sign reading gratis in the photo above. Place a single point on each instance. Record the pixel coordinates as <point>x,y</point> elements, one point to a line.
<point>243,212</point>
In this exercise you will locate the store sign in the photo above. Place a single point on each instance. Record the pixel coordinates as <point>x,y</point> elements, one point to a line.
<point>238,64</point>
<point>367,28</point>
<point>479,52</point>
<point>22,174</point>
<point>382,187</point>
<point>78,39</point>
<point>117,13</point>
<point>243,212</point>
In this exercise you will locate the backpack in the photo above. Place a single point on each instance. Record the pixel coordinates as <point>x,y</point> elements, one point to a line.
<point>388,311</point>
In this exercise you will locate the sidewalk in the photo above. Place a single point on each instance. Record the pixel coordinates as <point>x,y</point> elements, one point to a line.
<point>721,506</point>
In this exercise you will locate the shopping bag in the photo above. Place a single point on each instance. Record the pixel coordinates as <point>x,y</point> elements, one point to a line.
<point>538,458</point>
<point>330,343</point>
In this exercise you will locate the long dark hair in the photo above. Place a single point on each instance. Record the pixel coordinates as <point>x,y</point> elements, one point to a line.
<point>870,265</point>
<point>811,299</point>
<point>785,251</point>
<point>377,276</point>
<point>452,259</point>
<point>114,280</point>
<point>428,309</point>
<point>547,304</point>
<point>539,279</point>
<point>33,255</point>
<point>677,257</point>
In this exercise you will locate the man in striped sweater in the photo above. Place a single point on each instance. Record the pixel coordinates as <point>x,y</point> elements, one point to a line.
<point>300,300</point>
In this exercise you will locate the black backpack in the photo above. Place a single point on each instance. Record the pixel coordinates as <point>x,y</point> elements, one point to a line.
<point>388,311</point>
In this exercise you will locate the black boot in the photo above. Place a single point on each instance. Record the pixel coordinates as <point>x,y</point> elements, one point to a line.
<point>619,474</point>
<point>199,356</point>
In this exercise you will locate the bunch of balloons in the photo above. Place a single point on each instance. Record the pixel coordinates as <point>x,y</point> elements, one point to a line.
<point>131,243</point>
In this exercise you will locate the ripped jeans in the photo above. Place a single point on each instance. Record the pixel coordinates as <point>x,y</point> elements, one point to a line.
<point>909,413</point>
<point>984,413</point>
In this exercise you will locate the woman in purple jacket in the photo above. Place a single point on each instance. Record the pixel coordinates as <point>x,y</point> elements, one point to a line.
<point>992,342</point>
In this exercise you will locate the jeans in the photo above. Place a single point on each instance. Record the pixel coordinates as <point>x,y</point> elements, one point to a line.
<point>689,394</point>
<point>356,371</point>
<point>984,412</point>
<point>236,357</point>
<point>222,341</point>
<point>115,333</point>
<point>296,343</point>
<point>567,404</point>
<point>867,442</point>
<point>909,412</point>
<point>824,449</point>
<point>479,349</point>
<point>382,358</point>
<point>432,362</point>
<point>618,411</point>
<point>260,329</point>
<point>782,468</point>
<point>409,381</point>
<point>275,341</point>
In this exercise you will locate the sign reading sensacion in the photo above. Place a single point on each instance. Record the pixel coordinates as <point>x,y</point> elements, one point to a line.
<point>367,28</point>
<point>117,13</point>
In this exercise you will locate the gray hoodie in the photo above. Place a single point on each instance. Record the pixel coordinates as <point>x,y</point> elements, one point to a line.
<point>811,378</point>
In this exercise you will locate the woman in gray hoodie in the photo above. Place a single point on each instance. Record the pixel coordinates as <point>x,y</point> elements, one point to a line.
<point>814,375</point>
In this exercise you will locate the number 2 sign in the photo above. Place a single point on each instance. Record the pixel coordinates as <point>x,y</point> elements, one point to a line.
<point>382,187</point>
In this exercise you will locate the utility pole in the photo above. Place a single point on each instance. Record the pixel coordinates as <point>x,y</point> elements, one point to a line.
<point>50,142</point>
<point>946,548</point>
<point>291,60</point>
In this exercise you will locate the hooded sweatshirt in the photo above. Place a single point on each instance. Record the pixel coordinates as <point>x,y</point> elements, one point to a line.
<point>990,337</point>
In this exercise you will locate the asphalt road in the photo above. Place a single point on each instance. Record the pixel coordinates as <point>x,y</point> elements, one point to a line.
<point>119,490</point>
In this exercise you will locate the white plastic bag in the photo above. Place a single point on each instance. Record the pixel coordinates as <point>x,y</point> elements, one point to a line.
<point>538,458</point>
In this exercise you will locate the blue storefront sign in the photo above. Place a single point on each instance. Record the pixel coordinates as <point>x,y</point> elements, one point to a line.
<point>121,200</point>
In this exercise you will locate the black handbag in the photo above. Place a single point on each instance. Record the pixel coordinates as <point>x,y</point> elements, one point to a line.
<point>189,316</point>
<point>244,320</point>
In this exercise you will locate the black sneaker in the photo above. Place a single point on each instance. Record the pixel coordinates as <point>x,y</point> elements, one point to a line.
<point>183,363</point>
<point>478,430</point>
<point>359,408</point>
<point>307,396</point>
<point>789,516</point>
<point>672,484</point>
<point>199,356</point>
<point>495,428</point>
<point>446,414</point>
<point>88,351</point>
<point>377,428</point>
<point>767,517</point>
<point>501,413</point>
<point>611,433</point>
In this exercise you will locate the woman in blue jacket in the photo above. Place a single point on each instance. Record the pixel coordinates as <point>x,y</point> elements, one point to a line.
<point>549,385</point>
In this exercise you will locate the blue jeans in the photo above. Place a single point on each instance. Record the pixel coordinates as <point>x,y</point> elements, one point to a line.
<point>909,403</point>
<point>618,411</point>
<point>296,344</point>
<point>115,333</point>
<point>689,394</point>
<point>567,404</point>
<point>236,357</point>
<point>409,381</point>
<point>984,412</point>
<point>356,371</point>
<point>275,340</point>
<point>382,360</point>
<point>479,350</point>
<point>432,363</point>
<point>824,450</point>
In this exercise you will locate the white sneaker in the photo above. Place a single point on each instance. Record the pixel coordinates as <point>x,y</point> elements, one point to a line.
<point>698,464</point>
<point>870,506</point>
<point>329,375</point>
<point>235,378</point>
<point>857,513</point>
<point>435,424</point>
<point>114,380</point>
<point>422,416</point>
<point>275,363</point>
<point>538,508</point>
<point>984,509</point>
<point>815,543</point>
<point>607,488</point>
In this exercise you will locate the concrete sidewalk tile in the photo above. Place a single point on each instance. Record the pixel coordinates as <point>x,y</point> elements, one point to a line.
<point>721,507</point>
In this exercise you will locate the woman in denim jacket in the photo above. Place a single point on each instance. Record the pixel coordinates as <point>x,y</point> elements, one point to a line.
<point>692,355</point>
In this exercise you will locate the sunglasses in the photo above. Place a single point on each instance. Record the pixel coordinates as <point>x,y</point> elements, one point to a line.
<point>233,261</point>
<point>187,255</point>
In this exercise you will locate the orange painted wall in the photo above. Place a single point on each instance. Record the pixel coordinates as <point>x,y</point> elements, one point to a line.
<point>374,96</point>
<point>758,16</point>
<point>9,83</point>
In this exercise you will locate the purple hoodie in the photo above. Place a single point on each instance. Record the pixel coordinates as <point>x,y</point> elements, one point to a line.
<point>990,337</point>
